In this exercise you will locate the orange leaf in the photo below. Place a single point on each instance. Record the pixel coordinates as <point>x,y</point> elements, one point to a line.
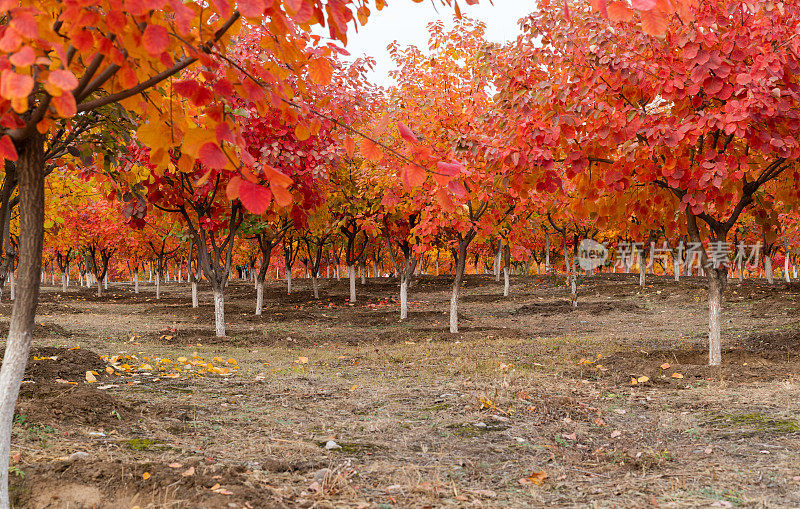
<point>232,189</point>
<point>282,195</point>
<point>654,23</point>
<point>65,105</point>
<point>413,176</point>
<point>320,71</point>
<point>62,80</point>
<point>619,11</point>
<point>349,146</point>
<point>15,86</point>
<point>371,151</point>
<point>302,132</point>
<point>23,58</point>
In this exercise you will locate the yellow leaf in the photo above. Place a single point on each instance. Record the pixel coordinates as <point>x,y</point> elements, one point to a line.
<point>182,360</point>
<point>302,132</point>
<point>109,370</point>
<point>188,472</point>
<point>677,375</point>
<point>665,365</point>
<point>146,476</point>
<point>633,381</point>
<point>231,361</point>
<point>302,360</point>
<point>175,465</point>
<point>146,367</point>
<point>90,378</point>
<point>643,379</point>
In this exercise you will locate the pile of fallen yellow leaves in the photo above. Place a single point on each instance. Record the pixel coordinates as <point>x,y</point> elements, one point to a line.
<point>162,367</point>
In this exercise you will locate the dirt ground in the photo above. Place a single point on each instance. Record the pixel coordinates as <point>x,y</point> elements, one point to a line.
<point>326,404</point>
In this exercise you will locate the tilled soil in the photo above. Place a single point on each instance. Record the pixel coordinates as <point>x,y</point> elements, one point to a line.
<point>533,403</point>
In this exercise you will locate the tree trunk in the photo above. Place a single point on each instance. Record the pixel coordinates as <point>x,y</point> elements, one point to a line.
<point>573,288</point>
<point>351,272</point>
<point>362,265</point>
<point>195,303</point>
<point>219,311</point>
<point>20,333</point>
<point>404,298</point>
<point>63,282</point>
<point>642,269</point>
<point>99,289</point>
<point>786,263</point>
<point>460,264</point>
<point>158,286</point>
<point>105,282</point>
<point>259,296</point>
<point>547,254</point>
<point>768,268</point>
<point>136,282</point>
<point>13,289</point>
<point>716,285</point>
<point>288,282</point>
<point>506,269</point>
<point>497,256</point>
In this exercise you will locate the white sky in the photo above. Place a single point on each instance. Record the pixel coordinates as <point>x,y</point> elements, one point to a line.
<point>406,22</point>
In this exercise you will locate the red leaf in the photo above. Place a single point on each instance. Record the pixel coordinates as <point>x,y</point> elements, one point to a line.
<point>406,133</point>
<point>449,169</point>
<point>7,149</point>
<point>212,156</point>
<point>643,5</point>
<point>255,198</point>
<point>155,40</point>
<point>251,8</point>
<point>26,25</point>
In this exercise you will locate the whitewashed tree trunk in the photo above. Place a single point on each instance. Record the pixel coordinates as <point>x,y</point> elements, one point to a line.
<point>404,298</point>
<point>363,270</point>
<point>768,268</point>
<point>259,296</point>
<point>158,285</point>
<point>786,263</point>
<point>497,256</point>
<point>506,281</point>
<point>219,312</point>
<point>336,270</point>
<point>573,288</point>
<point>715,289</point>
<point>195,302</point>
<point>13,288</point>
<point>351,272</point>
<point>642,269</point>
<point>315,285</point>
<point>676,267</point>
<point>105,282</point>
<point>63,282</point>
<point>136,282</point>
<point>547,254</point>
<point>288,282</point>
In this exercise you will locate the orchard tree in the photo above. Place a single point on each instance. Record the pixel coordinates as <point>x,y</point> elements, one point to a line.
<point>695,124</point>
